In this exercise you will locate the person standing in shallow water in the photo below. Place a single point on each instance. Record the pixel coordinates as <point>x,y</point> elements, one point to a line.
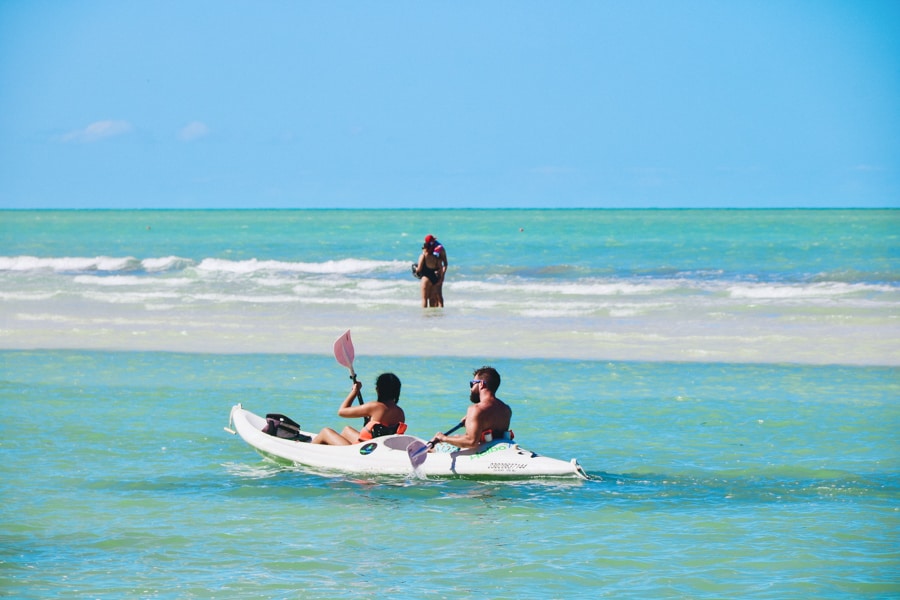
<point>431,269</point>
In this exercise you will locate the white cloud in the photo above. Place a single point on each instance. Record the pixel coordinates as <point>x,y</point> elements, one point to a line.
<point>97,131</point>
<point>193,131</point>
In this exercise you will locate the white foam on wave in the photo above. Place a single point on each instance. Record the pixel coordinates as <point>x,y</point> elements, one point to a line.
<point>345,266</point>
<point>27,296</point>
<point>246,299</point>
<point>348,266</point>
<point>130,280</point>
<point>574,288</point>
<point>130,297</point>
<point>69,263</point>
<point>166,263</point>
<point>616,288</point>
<point>551,313</point>
<point>799,291</point>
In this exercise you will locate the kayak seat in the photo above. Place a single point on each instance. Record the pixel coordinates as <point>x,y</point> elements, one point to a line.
<point>378,430</point>
<point>489,435</point>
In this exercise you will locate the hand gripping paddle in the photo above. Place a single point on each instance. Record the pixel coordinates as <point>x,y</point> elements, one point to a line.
<point>418,451</point>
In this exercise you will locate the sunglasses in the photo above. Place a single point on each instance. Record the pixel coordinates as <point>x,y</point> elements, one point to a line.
<point>474,381</point>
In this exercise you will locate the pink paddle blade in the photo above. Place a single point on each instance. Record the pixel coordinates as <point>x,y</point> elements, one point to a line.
<point>343,350</point>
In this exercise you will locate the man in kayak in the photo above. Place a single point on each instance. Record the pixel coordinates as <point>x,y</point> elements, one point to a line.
<point>488,417</point>
<point>383,417</point>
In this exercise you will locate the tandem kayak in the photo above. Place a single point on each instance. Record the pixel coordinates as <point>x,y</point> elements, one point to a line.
<point>391,455</point>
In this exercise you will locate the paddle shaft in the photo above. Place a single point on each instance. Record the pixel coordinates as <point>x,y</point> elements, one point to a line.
<point>434,441</point>
<point>358,394</point>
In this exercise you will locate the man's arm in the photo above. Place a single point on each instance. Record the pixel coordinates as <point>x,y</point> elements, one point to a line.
<point>469,439</point>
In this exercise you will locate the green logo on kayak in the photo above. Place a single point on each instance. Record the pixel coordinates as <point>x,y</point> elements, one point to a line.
<point>491,450</point>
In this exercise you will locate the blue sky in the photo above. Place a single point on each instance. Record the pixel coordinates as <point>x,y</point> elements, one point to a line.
<point>177,104</point>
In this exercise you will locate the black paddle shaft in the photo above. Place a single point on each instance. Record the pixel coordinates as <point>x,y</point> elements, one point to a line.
<point>432,443</point>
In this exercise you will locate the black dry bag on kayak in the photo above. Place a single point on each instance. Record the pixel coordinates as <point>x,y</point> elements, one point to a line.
<point>284,427</point>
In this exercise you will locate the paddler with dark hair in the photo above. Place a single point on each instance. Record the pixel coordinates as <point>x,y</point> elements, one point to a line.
<point>383,416</point>
<point>488,418</point>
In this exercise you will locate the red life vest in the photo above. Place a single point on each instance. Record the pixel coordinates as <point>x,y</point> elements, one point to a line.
<point>374,429</point>
<point>489,435</point>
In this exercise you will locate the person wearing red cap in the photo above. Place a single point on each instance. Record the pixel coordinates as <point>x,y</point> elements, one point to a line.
<point>431,268</point>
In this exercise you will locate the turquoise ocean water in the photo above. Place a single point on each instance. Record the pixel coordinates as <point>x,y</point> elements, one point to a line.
<point>727,378</point>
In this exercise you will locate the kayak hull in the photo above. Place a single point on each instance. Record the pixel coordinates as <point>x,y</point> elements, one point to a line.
<point>388,455</point>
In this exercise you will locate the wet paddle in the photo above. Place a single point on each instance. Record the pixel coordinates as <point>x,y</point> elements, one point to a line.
<point>344,354</point>
<point>418,451</point>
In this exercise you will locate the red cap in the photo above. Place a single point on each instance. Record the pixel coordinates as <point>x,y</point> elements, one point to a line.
<point>429,238</point>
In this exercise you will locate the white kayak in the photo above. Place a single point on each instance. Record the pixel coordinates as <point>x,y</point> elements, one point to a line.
<point>391,455</point>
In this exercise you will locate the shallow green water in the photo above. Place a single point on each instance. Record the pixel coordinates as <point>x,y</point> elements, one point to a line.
<point>762,286</point>
<point>708,481</point>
